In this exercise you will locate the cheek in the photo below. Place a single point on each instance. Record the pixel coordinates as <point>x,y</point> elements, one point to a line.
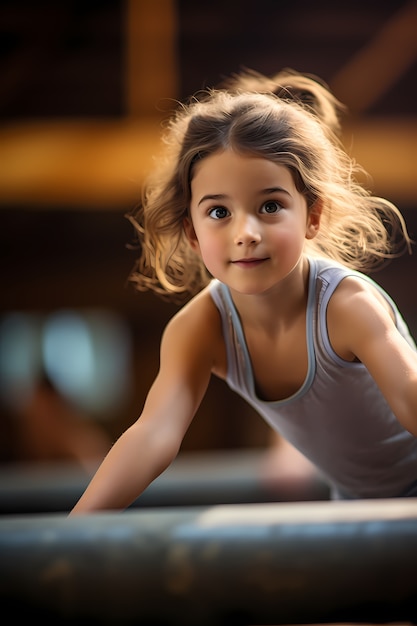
<point>211,249</point>
<point>283,237</point>
<point>288,241</point>
<point>208,246</point>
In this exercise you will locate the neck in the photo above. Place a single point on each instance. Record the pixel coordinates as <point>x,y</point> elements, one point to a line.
<point>278,307</point>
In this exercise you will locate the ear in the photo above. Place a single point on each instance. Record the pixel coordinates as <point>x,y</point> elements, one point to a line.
<point>313,219</point>
<point>191,234</point>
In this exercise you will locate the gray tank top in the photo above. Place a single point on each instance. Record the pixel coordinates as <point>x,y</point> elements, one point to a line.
<point>338,418</point>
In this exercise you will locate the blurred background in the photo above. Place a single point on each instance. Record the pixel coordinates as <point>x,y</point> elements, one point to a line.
<point>84,89</point>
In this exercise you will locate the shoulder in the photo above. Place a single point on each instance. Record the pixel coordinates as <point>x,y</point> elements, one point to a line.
<point>197,328</point>
<point>356,311</point>
<point>357,290</point>
<point>199,311</point>
<point>344,286</point>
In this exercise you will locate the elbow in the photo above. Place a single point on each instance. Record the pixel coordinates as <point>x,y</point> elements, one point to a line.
<point>165,449</point>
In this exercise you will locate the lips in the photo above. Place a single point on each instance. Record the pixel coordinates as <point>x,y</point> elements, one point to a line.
<point>249,262</point>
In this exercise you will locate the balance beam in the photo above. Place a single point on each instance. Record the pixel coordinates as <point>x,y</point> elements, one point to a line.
<point>287,563</point>
<point>193,479</point>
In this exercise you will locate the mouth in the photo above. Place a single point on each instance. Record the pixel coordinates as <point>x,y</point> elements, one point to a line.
<point>249,262</point>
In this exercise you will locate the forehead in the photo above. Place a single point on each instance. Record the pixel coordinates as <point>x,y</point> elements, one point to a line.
<point>227,169</point>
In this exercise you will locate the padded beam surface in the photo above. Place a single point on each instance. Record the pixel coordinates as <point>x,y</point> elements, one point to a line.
<point>233,564</point>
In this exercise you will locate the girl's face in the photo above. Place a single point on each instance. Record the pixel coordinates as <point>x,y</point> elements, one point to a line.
<point>248,221</point>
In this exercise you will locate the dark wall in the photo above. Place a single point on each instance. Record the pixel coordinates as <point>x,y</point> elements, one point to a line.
<point>66,59</point>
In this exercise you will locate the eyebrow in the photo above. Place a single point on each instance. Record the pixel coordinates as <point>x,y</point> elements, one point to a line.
<point>275,190</point>
<point>262,192</point>
<point>215,196</point>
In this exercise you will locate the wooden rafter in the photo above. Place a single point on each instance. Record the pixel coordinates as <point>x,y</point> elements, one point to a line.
<point>378,65</point>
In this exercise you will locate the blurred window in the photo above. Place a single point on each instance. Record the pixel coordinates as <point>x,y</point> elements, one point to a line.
<point>85,354</point>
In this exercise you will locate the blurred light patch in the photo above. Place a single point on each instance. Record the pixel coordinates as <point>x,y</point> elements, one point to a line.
<point>20,356</point>
<point>86,355</point>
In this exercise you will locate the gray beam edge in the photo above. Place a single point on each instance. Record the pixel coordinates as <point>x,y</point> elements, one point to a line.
<point>287,563</point>
<point>193,479</point>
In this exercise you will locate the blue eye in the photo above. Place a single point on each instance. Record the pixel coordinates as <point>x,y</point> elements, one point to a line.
<point>271,207</point>
<point>218,213</point>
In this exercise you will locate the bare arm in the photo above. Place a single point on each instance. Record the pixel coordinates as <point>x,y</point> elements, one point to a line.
<point>361,325</point>
<point>147,448</point>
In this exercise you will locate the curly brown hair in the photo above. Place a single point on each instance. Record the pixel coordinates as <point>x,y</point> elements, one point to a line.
<point>357,229</point>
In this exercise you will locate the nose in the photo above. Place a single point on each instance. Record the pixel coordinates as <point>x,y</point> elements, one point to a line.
<point>247,231</point>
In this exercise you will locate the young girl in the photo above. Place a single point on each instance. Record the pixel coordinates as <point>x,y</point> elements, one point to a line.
<point>256,213</point>
<point>281,462</point>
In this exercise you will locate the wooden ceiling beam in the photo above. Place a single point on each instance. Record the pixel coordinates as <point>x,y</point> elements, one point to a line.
<point>374,69</point>
<point>151,56</point>
<point>102,164</point>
